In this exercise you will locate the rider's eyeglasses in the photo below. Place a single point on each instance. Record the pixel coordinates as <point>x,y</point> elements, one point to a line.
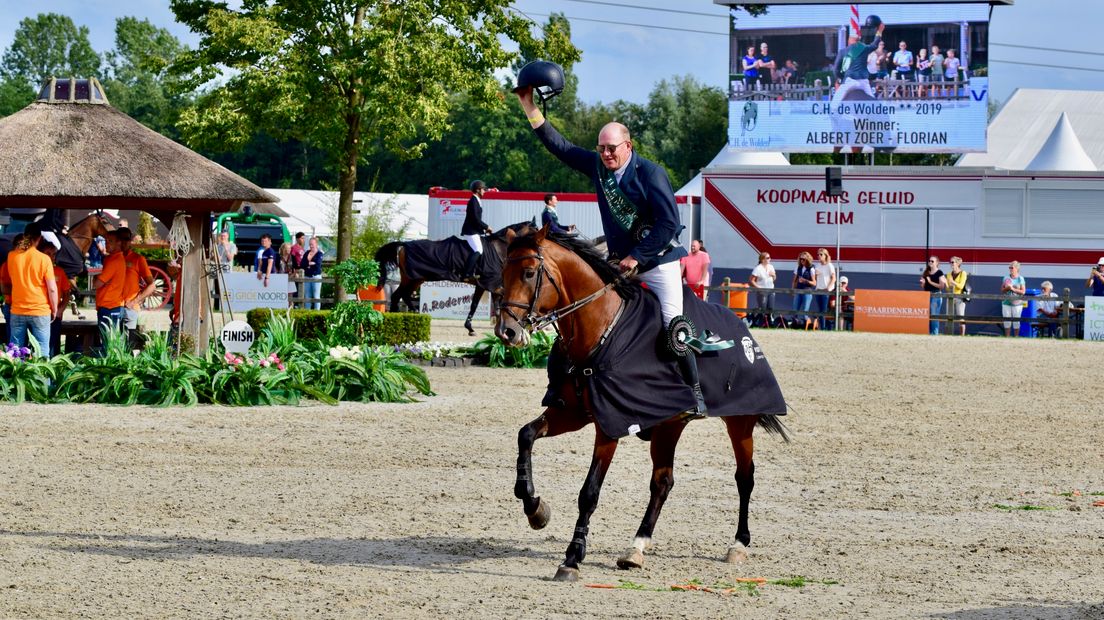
<point>608,148</point>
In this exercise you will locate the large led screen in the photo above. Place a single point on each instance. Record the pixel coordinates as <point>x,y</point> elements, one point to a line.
<point>817,78</point>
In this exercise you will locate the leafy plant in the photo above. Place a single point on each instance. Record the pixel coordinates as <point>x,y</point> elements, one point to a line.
<point>352,323</point>
<point>25,378</point>
<point>356,273</point>
<point>491,350</point>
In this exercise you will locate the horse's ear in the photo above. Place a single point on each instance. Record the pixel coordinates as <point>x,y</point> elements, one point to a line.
<point>542,234</point>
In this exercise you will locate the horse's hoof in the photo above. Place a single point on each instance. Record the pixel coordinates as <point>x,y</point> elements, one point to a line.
<point>737,554</point>
<point>633,558</point>
<point>540,516</point>
<point>566,573</point>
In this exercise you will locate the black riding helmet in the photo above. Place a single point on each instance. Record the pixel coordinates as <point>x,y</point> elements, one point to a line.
<point>870,27</point>
<point>546,78</point>
<point>476,185</point>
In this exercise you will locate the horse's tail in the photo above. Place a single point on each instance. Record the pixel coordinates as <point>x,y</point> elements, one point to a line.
<point>387,257</point>
<point>773,425</point>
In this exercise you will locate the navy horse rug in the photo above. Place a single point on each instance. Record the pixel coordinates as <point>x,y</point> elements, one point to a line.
<point>442,260</point>
<point>634,380</point>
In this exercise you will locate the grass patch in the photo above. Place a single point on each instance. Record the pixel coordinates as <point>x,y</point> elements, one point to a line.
<point>1023,507</point>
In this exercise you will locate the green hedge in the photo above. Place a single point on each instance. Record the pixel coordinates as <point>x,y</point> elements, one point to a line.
<point>397,327</point>
<point>309,324</point>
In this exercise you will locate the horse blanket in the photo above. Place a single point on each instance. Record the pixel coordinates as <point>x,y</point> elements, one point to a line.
<point>441,260</point>
<point>634,380</point>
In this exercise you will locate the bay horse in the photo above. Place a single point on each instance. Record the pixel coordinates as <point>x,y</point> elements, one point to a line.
<point>557,280</point>
<point>435,262</point>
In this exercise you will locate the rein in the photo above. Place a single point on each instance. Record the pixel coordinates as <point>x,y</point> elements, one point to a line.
<point>534,322</point>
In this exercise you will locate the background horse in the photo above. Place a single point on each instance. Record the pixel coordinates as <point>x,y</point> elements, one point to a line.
<point>423,260</point>
<point>550,278</point>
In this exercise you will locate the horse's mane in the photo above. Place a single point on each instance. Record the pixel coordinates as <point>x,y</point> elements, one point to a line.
<point>519,228</point>
<point>584,249</point>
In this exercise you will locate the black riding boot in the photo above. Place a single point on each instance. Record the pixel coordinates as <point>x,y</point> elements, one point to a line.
<point>469,267</point>
<point>688,364</point>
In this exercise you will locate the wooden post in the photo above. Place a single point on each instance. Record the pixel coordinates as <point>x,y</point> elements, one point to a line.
<point>727,282</point>
<point>1067,331</point>
<point>193,292</point>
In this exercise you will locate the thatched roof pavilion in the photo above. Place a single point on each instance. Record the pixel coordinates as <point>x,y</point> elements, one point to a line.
<point>71,150</point>
<point>67,152</point>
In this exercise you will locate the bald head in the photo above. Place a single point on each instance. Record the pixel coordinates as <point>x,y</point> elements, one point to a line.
<point>614,145</point>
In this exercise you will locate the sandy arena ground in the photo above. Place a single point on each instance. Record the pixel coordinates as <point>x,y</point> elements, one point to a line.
<point>885,502</point>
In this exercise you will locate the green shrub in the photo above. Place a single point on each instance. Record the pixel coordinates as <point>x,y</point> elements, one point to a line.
<point>309,324</point>
<point>402,328</point>
<point>493,352</point>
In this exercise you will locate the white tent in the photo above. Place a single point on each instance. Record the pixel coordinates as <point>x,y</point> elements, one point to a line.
<point>315,212</point>
<point>1027,122</point>
<point>1062,150</point>
<point>729,157</point>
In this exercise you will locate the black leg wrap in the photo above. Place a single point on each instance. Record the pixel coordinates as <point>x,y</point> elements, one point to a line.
<point>688,365</point>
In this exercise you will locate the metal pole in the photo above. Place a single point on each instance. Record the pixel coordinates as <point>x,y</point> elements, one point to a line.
<point>838,262</point>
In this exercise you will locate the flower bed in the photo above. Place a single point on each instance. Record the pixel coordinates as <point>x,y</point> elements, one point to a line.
<point>279,369</point>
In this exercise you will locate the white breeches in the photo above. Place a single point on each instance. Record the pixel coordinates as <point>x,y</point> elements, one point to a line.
<point>475,243</point>
<point>666,282</point>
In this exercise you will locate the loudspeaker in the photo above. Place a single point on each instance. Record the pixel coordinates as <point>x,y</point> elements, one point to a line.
<point>833,180</point>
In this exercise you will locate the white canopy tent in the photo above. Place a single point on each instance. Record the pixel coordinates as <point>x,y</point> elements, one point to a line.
<point>1062,150</point>
<point>315,211</point>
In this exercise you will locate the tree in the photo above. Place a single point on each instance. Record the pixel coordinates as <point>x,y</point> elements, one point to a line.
<point>138,74</point>
<point>46,45</point>
<point>14,96</point>
<point>342,74</point>
<point>685,124</point>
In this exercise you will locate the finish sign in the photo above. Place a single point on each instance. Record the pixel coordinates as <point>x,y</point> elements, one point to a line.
<point>237,336</point>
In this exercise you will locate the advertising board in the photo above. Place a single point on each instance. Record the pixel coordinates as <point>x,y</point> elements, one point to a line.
<point>1094,318</point>
<point>809,79</point>
<point>892,312</point>
<point>246,292</point>
<point>451,300</point>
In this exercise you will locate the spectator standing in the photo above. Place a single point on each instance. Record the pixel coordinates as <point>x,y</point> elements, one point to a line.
<point>767,65</point>
<point>225,251</point>
<point>265,264</point>
<point>825,281</point>
<point>136,272</point>
<point>97,251</point>
<point>923,70</point>
<point>695,268</point>
<point>34,291</point>
<point>902,61</point>
<point>762,280</point>
<point>288,266</point>
<point>297,251</point>
<point>1013,286</point>
<point>6,286</point>
<point>1049,307</point>
<point>956,282</point>
<point>311,264</point>
<point>1096,279</point>
<point>936,64</point>
<point>49,245</point>
<point>299,247</point>
<point>934,281</point>
<point>804,279</point>
<point>950,70</point>
<point>750,66</point>
<point>109,285</point>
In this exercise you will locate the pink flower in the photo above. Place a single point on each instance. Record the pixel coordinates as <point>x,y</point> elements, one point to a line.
<point>280,366</point>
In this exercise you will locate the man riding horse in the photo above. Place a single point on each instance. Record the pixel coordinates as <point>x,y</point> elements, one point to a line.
<point>637,205</point>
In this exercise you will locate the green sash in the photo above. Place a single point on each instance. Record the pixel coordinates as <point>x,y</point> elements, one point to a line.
<point>622,209</point>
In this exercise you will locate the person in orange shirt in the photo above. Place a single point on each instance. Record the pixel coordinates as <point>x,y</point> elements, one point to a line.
<point>138,284</point>
<point>109,285</point>
<point>5,286</point>
<point>34,291</point>
<point>49,245</point>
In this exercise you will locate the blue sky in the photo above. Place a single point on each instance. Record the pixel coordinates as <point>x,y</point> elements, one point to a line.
<point>621,60</point>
